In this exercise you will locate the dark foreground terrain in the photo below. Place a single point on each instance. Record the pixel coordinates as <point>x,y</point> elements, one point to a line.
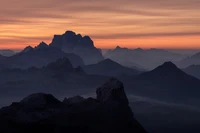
<point>108,113</point>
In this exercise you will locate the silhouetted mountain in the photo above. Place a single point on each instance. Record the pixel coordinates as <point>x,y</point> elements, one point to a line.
<point>42,45</point>
<point>108,67</point>
<point>193,70</point>
<point>27,49</point>
<point>145,59</point>
<point>192,60</point>
<point>41,112</point>
<point>39,56</point>
<point>71,42</point>
<point>168,81</point>
<point>7,52</point>
<point>62,65</point>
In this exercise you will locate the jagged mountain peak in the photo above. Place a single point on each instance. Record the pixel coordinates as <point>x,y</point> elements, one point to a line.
<point>42,45</point>
<point>27,49</point>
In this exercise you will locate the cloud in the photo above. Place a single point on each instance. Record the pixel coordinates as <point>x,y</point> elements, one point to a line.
<point>100,19</point>
<point>132,35</point>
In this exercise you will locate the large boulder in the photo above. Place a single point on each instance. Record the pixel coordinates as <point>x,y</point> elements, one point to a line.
<point>72,100</point>
<point>112,92</point>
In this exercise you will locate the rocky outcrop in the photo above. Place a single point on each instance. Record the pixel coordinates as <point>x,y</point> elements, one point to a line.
<point>73,100</point>
<point>71,42</point>
<point>112,92</point>
<point>109,113</point>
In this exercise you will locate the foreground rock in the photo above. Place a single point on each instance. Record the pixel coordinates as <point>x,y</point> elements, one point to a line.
<point>109,113</point>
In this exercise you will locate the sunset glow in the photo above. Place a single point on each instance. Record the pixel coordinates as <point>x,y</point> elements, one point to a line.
<point>173,24</point>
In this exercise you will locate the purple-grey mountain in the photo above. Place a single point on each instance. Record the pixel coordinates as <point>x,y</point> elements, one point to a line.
<point>39,56</point>
<point>191,60</point>
<point>70,42</point>
<point>108,113</point>
<point>6,52</point>
<point>193,70</point>
<point>169,82</point>
<point>143,59</point>
<point>108,67</point>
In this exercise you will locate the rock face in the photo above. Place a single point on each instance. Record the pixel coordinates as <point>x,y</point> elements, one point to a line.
<point>109,113</point>
<point>71,42</point>
<point>72,100</point>
<point>112,92</point>
<point>39,100</point>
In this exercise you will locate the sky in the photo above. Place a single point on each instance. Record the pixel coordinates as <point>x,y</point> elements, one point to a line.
<point>170,24</point>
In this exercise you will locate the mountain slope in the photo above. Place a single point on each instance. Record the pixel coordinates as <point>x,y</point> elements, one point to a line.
<point>7,52</point>
<point>193,70</point>
<point>108,67</point>
<point>39,56</point>
<point>168,82</point>
<point>192,60</point>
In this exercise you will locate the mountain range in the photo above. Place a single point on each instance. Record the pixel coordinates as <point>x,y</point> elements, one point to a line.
<point>39,56</point>
<point>145,59</point>
<point>193,70</point>
<point>191,60</point>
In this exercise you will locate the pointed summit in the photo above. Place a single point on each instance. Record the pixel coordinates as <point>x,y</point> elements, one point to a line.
<point>27,49</point>
<point>42,45</point>
<point>168,66</point>
<point>167,71</point>
<point>118,47</point>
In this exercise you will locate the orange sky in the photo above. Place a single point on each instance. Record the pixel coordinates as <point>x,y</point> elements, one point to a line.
<point>173,24</point>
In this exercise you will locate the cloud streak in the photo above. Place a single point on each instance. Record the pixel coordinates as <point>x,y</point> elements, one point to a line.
<point>105,19</point>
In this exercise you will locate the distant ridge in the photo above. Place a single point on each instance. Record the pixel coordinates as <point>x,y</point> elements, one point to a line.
<point>38,56</point>
<point>108,67</point>
<point>142,58</point>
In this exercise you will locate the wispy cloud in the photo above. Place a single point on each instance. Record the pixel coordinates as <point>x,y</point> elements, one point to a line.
<point>105,19</point>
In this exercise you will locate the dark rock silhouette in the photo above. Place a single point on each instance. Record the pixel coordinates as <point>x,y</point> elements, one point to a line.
<point>42,112</point>
<point>112,92</point>
<point>72,100</point>
<point>39,56</point>
<point>70,42</point>
<point>108,67</point>
<point>27,49</point>
<point>39,100</point>
<point>42,45</point>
